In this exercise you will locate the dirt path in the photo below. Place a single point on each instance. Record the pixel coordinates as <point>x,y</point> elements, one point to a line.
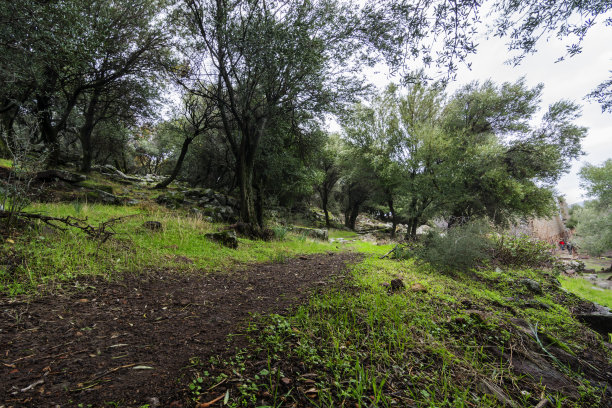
<point>128,342</point>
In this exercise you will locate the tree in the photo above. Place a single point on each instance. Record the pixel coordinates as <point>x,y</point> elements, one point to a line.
<point>594,221</point>
<point>503,167</point>
<point>399,138</point>
<point>329,165</point>
<point>197,118</point>
<point>76,51</point>
<point>264,60</point>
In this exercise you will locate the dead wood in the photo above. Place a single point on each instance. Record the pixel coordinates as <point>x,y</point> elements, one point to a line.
<point>102,232</point>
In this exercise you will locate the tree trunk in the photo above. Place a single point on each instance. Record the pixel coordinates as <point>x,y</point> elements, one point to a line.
<point>324,199</point>
<point>353,216</point>
<point>259,203</point>
<point>245,184</point>
<point>86,131</point>
<point>413,224</point>
<point>178,165</point>
<point>393,217</point>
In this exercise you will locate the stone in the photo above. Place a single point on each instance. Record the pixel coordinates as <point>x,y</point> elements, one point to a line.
<point>100,196</point>
<point>225,238</point>
<point>397,285</point>
<point>54,175</point>
<point>153,225</point>
<point>599,322</point>
<point>316,233</point>
<point>532,285</point>
<point>417,287</point>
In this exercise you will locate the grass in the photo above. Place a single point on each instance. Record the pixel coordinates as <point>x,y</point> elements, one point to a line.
<point>431,345</point>
<point>587,290</point>
<point>360,346</point>
<point>50,257</point>
<point>336,233</point>
<point>6,163</point>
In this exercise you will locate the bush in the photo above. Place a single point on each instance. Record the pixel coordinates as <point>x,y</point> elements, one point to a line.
<point>279,232</point>
<point>521,251</point>
<point>461,247</point>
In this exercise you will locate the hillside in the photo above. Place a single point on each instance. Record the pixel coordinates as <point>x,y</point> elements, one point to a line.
<point>165,316</point>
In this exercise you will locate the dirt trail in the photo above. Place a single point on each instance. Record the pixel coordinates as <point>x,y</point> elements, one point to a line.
<point>127,342</point>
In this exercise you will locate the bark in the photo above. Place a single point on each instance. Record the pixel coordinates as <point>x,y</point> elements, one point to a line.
<point>259,203</point>
<point>354,212</point>
<point>393,217</point>
<point>86,131</point>
<point>324,200</point>
<point>245,184</point>
<point>178,165</point>
<point>413,224</point>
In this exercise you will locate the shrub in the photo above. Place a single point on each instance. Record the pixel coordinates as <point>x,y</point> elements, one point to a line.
<point>521,251</point>
<point>461,247</point>
<point>279,232</point>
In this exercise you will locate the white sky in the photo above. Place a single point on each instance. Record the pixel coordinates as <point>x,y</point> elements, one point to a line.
<point>571,79</point>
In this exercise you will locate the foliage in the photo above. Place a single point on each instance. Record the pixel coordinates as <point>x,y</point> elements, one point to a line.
<point>594,220</point>
<point>358,345</point>
<point>504,167</point>
<point>458,248</point>
<point>593,228</point>
<point>521,251</point>
<point>597,180</point>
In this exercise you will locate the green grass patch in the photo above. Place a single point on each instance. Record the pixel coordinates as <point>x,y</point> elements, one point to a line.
<point>337,233</point>
<point>430,345</point>
<point>6,163</point>
<point>49,257</point>
<point>587,290</point>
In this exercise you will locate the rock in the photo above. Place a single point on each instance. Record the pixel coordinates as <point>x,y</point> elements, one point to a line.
<point>100,196</point>
<point>225,238</point>
<point>153,225</point>
<point>54,175</point>
<point>599,322</point>
<point>417,287</point>
<point>397,285</point>
<point>154,402</point>
<point>316,233</point>
<point>532,285</point>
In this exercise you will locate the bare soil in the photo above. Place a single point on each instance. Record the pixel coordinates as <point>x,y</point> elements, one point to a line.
<point>130,343</point>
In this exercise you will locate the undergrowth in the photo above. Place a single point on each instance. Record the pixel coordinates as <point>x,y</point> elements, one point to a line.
<point>39,258</point>
<point>445,341</point>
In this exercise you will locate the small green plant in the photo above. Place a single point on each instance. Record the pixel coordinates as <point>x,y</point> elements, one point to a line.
<point>280,232</point>
<point>195,388</point>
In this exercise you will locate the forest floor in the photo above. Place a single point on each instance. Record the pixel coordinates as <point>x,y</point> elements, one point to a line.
<point>133,341</point>
<point>170,318</point>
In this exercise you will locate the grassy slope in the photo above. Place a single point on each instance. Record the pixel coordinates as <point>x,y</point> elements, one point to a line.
<point>47,257</point>
<point>587,290</point>
<point>363,346</point>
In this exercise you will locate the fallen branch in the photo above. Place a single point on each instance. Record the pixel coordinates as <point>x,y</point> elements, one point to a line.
<point>209,403</point>
<point>102,232</point>
<point>389,253</point>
